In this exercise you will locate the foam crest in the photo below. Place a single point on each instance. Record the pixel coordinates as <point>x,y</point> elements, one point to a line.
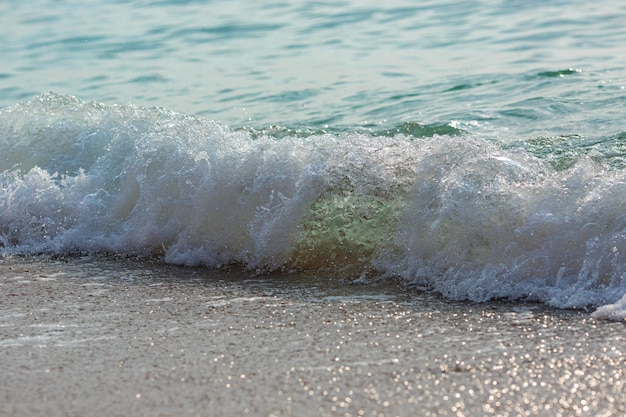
<point>151,182</point>
<point>485,223</point>
<point>457,215</point>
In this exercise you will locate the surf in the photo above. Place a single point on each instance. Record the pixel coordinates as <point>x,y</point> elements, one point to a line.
<point>452,213</point>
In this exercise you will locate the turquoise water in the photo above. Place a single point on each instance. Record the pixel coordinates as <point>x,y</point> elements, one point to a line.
<point>506,70</point>
<point>473,149</point>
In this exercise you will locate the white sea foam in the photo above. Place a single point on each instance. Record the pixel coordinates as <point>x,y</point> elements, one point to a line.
<point>484,223</point>
<point>615,311</point>
<point>456,215</point>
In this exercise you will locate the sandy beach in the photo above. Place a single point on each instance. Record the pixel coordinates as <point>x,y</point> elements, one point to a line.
<point>95,337</point>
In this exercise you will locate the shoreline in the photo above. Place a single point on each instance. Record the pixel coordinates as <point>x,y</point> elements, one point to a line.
<point>94,336</point>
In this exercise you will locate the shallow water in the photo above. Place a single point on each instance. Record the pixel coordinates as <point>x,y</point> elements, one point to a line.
<point>474,150</point>
<point>505,70</point>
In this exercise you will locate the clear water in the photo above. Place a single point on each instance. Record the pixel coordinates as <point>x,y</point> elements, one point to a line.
<point>472,148</point>
<point>506,70</point>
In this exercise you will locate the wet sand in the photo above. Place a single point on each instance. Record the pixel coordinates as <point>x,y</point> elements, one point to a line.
<point>106,337</point>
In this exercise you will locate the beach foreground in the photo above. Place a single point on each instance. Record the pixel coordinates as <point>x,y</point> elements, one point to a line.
<point>94,337</point>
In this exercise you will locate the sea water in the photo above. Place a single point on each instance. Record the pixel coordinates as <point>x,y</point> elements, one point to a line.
<point>473,149</point>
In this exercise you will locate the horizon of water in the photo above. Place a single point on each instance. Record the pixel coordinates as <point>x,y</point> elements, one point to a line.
<point>476,150</point>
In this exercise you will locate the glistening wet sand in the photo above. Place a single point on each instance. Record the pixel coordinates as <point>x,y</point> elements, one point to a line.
<point>96,337</point>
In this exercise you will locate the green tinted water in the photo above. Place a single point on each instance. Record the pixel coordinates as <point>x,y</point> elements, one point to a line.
<point>510,71</point>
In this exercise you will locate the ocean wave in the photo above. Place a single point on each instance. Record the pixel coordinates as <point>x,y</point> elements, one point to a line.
<point>449,213</point>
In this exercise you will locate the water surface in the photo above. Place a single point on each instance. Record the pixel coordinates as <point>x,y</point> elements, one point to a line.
<point>475,150</point>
